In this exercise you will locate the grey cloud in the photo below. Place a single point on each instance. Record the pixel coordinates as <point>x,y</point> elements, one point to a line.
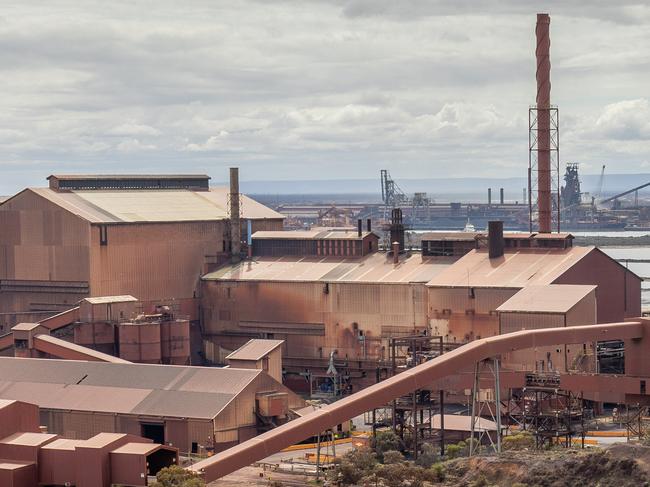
<point>306,89</point>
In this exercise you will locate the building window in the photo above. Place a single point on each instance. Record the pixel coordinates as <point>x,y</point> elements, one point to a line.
<point>103,235</point>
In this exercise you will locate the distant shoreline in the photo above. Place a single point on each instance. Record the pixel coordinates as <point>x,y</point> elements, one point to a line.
<point>603,241</point>
<point>581,240</point>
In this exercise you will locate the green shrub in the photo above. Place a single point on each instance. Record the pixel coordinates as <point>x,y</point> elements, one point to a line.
<point>176,476</point>
<point>385,441</point>
<point>392,457</point>
<point>439,472</point>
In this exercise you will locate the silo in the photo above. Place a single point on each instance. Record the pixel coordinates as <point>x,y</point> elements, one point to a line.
<point>140,342</point>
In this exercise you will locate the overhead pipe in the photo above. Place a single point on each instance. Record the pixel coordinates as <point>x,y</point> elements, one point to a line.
<point>418,377</point>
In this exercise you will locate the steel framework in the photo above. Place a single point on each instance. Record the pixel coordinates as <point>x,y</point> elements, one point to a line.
<point>411,415</point>
<point>553,153</point>
<point>554,416</point>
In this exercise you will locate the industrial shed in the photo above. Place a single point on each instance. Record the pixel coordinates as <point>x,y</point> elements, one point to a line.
<point>190,408</point>
<point>463,299</point>
<point>319,305</point>
<point>149,236</point>
<point>348,243</point>
<point>31,457</point>
<point>550,306</point>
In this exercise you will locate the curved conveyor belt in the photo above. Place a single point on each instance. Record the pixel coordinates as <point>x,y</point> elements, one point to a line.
<point>418,377</point>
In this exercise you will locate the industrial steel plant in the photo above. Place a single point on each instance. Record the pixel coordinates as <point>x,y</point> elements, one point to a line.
<point>154,320</point>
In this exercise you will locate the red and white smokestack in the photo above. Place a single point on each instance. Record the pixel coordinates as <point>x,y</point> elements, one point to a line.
<point>543,75</point>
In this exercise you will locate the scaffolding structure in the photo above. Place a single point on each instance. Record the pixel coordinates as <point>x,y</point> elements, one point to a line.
<point>411,416</point>
<point>552,153</point>
<point>554,416</point>
<point>483,406</point>
<point>636,421</point>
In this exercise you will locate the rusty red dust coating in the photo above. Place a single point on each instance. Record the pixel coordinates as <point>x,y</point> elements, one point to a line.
<point>636,334</point>
<point>543,75</point>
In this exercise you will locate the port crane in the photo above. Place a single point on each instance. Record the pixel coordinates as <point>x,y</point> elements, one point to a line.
<point>625,193</point>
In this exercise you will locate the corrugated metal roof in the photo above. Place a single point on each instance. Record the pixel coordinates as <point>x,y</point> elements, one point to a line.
<point>73,177</point>
<point>14,464</point>
<point>255,349</point>
<point>516,269</point>
<point>101,440</point>
<point>6,402</point>
<point>553,298</point>
<point>64,444</point>
<point>165,390</point>
<point>111,299</point>
<point>88,352</point>
<point>126,206</point>
<point>455,422</point>
<point>25,326</point>
<point>28,439</point>
<point>309,235</point>
<point>373,268</point>
<point>137,449</point>
<point>450,236</point>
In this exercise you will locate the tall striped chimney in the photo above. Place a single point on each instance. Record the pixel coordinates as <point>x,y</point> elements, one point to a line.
<point>235,218</point>
<point>543,75</point>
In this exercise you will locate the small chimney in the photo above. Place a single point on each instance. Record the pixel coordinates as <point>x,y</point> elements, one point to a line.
<point>369,225</point>
<point>489,196</point>
<point>395,252</point>
<point>235,218</point>
<point>495,239</point>
<point>360,227</point>
<point>501,195</point>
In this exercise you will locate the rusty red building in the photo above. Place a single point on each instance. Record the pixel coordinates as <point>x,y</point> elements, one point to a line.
<point>353,306</point>
<point>149,236</point>
<point>193,409</point>
<point>31,456</point>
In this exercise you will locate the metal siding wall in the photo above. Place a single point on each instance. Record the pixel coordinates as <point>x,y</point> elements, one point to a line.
<point>153,261</point>
<point>40,241</point>
<point>374,308</point>
<point>583,313</point>
<point>511,322</point>
<point>81,425</point>
<point>596,268</point>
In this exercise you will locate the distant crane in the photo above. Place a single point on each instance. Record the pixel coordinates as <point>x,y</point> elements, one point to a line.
<point>601,182</point>
<point>391,194</point>
<point>624,193</point>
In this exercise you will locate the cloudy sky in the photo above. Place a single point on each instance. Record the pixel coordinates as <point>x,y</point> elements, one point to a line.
<point>314,88</point>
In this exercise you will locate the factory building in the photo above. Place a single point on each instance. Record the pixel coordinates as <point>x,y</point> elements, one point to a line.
<point>193,409</point>
<point>463,299</point>
<point>348,309</point>
<point>319,305</point>
<point>148,236</point>
<point>324,242</point>
<point>30,456</point>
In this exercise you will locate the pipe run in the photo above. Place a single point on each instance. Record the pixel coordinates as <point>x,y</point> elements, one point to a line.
<point>418,377</point>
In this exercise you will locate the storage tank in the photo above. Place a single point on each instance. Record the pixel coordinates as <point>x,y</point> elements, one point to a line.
<point>98,336</point>
<point>175,340</point>
<point>140,342</point>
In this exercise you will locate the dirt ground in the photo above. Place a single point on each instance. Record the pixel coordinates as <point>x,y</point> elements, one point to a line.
<point>620,465</point>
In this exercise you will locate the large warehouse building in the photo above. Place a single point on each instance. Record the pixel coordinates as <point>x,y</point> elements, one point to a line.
<point>148,236</point>
<point>194,409</point>
<point>352,307</point>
